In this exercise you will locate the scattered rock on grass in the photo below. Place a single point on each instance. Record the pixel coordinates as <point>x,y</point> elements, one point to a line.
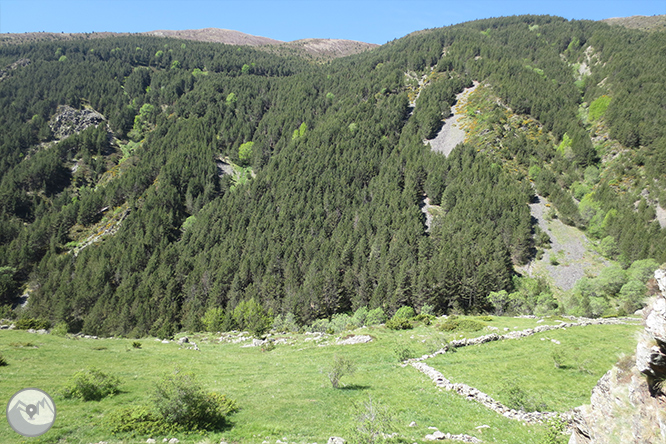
<point>462,437</point>
<point>357,339</point>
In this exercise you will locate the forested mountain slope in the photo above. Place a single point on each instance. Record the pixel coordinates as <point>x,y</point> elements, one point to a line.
<point>323,216</point>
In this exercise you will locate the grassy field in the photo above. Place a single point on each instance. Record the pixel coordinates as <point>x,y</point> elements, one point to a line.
<point>582,355</point>
<point>284,393</point>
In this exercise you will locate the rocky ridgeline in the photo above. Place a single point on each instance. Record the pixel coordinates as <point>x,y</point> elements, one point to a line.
<point>68,121</point>
<point>478,396</point>
<point>628,404</point>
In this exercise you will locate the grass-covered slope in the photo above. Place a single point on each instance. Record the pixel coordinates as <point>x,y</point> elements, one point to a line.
<point>285,393</point>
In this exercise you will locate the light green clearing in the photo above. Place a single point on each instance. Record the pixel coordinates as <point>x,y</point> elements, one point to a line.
<point>284,393</point>
<point>585,354</point>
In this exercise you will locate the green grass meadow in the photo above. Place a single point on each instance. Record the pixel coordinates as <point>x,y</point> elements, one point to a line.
<point>285,393</point>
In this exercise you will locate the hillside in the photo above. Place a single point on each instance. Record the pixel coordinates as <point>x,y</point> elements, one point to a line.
<point>147,181</point>
<point>641,22</point>
<point>283,393</point>
<point>322,49</point>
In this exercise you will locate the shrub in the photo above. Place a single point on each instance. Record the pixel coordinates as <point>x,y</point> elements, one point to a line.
<point>556,431</point>
<point>320,326</point>
<point>250,315</point>
<point>518,399</point>
<point>461,325</point>
<point>37,324</point>
<point>340,367</point>
<point>179,398</point>
<point>399,324</point>
<point>423,318</point>
<point>91,385</point>
<point>3,361</point>
<point>138,420</point>
<point>375,316</point>
<point>60,329</point>
<point>374,423</point>
<point>213,319</point>
<point>340,322</point>
<point>360,317</point>
<point>285,324</point>
<point>427,310</point>
<point>403,353</point>
<point>404,313</point>
<point>179,403</point>
<point>136,344</point>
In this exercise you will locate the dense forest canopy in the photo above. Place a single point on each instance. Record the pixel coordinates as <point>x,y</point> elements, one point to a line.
<point>130,227</point>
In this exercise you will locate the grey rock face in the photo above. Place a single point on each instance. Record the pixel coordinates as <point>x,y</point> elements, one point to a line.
<point>68,121</point>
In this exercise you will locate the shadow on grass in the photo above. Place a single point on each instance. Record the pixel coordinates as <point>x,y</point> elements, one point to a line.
<point>354,387</point>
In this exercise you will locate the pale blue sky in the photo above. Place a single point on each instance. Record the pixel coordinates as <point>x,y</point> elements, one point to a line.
<point>374,21</point>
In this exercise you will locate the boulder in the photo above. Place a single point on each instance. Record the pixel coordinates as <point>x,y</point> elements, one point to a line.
<point>335,440</point>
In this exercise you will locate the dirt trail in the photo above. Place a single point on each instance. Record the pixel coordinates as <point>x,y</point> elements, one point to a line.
<point>451,134</point>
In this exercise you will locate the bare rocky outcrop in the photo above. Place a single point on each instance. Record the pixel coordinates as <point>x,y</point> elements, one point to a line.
<point>68,121</point>
<point>20,63</point>
<point>627,404</point>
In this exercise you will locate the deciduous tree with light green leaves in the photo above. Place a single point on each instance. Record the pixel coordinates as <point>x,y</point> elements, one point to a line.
<point>245,152</point>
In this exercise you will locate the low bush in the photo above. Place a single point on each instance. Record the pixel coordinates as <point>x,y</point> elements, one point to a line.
<point>179,398</point>
<point>213,319</point>
<point>519,399</point>
<point>427,310</point>
<point>285,324</point>
<point>91,385</point>
<point>3,361</point>
<point>375,423</point>
<point>375,316</point>
<point>424,319</point>
<point>179,403</point>
<point>404,313</point>
<point>469,325</point>
<point>340,367</point>
<point>403,353</point>
<point>399,324</point>
<point>36,324</point>
<point>138,420</point>
<point>136,344</point>
<point>60,329</point>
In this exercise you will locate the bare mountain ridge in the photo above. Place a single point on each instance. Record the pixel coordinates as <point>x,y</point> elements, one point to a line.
<point>641,22</point>
<point>320,48</point>
<point>216,35</point>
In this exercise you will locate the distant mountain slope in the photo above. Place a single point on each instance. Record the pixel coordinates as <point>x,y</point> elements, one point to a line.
<point>640,22</point>
<point>216,35</point>
<point>312,47</point>
<point>330,48</point>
